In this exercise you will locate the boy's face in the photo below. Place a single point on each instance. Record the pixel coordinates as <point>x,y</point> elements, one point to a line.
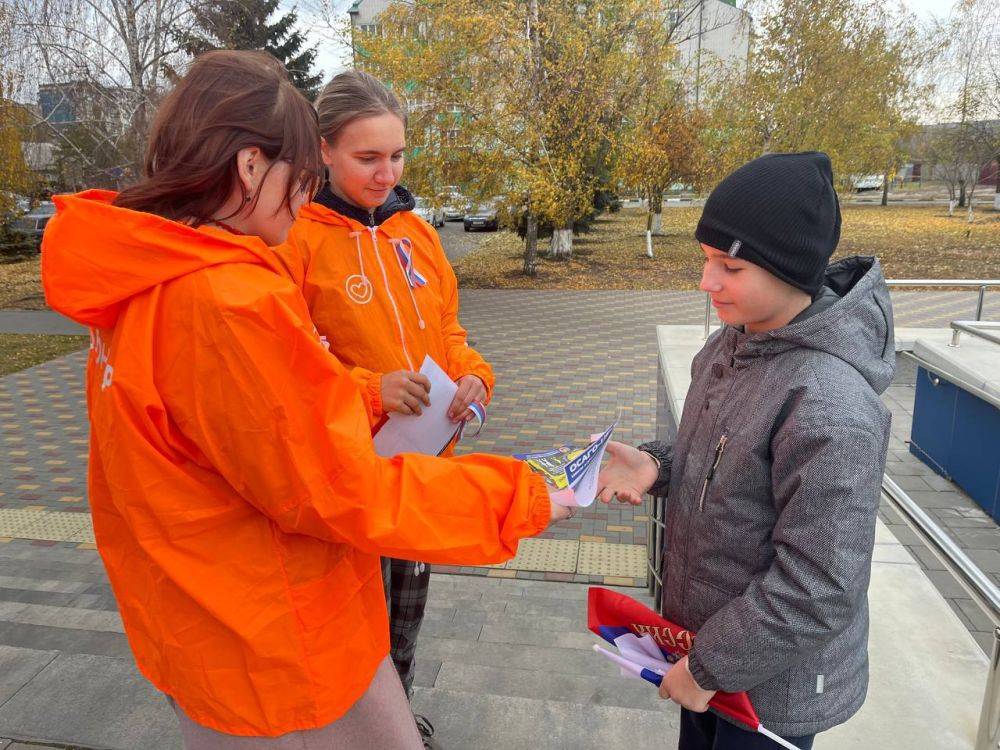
<point>744,294</point>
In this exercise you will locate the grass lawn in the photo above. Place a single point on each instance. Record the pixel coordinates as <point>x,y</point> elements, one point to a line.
<point>912,242</point>
<point>20,351</point>
<point>20,285</point>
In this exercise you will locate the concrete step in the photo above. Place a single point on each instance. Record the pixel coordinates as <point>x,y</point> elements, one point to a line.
<point>598,689</point>
<point>467,720</point>
<point>510,664</point>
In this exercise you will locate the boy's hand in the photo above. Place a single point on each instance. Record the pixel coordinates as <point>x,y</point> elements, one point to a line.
<point>679,686</point>
<point>627,476</point>
<point>470,388</point>
<point>404,392</point>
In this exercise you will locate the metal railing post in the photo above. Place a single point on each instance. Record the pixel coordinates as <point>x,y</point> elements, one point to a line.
<point>979,305</point>
<point>983,591</point>
<point>708,314</point>
<point>988,737</point>
<point>651,547</point>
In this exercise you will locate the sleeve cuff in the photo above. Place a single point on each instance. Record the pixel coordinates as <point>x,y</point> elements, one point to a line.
<point>541,511</point>
<point>374,390</point>
<point>663,454</point>
<point>700,673</point>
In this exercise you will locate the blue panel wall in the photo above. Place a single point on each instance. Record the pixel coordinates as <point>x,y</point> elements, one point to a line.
<point>933,421</point>
<point>958,435</point>
<point>975,454</point>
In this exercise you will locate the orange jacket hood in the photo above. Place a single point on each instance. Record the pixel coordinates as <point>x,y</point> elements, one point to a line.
<point>96,256</point>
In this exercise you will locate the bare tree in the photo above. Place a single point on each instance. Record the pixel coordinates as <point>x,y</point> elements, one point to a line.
<point>965,146</point>
<point>98,67</point>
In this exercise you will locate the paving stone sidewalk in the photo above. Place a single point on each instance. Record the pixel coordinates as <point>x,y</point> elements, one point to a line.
<point>566,362</point>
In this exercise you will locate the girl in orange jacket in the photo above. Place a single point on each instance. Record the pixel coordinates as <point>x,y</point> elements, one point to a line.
<point>238,504</point>
<point>382,292</point>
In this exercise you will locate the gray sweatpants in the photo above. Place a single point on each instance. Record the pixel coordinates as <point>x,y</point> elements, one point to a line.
<point>380,719</point>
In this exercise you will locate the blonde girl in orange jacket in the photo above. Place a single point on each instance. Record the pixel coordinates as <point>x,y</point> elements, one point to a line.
<point>382,292</point>
<point>238,504</point>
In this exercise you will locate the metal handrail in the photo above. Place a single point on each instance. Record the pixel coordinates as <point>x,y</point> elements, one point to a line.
<point>972,578</point>
<point>979,586</point>
<point>981,284</point>
<point>978,328</point>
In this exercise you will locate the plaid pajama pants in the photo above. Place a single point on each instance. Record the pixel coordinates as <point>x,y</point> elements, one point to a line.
<point>406,584</point>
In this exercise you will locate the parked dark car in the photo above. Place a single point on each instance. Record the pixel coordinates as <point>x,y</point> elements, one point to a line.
<point>33,223</point>
<point>482,217</point>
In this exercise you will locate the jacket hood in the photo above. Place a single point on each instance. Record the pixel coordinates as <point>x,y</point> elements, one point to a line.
<point>96,256</point>
<point>400,199</point>
<point>857,328</point>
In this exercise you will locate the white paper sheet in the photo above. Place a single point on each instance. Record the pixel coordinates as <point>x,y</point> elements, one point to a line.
<point>426,433</point>
<point>642,650</point>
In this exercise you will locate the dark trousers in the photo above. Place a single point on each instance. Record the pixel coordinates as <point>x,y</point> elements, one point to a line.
<point>406,585</point>
<point>708,732</point>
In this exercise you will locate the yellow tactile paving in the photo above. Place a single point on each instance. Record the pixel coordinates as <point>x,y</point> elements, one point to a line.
<point>54,526</point>
<point>627,560</point>
<point>549,555</point>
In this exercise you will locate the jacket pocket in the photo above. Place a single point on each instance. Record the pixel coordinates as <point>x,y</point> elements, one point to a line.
<point>702,600</point>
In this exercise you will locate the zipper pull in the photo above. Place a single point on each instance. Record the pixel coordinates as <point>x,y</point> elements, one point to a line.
<point>711,471</point>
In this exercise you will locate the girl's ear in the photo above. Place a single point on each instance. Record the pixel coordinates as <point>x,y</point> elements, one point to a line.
<point>327,151</point>
<point>249,168</point>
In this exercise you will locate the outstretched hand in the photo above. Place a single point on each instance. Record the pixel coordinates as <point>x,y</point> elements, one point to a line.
<point>627,476</point>
<point>559,510</point>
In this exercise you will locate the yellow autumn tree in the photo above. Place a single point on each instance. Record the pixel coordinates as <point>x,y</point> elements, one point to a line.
<point>15,177</point>
<point>514,97</point>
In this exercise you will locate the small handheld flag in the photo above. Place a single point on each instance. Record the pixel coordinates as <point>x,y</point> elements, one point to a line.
<point>624,622</point>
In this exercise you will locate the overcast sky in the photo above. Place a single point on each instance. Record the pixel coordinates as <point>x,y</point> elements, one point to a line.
<point>333,54</point>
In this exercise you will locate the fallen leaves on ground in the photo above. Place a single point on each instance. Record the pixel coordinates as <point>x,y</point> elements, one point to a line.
<point>911,241</point>
<point>21,285</point>
<point>20,351</point>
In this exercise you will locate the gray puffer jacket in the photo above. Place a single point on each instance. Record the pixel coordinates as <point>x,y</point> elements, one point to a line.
<point>773,487</point>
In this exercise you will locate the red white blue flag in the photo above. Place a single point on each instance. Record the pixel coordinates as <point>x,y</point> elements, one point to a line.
<point>621,620</point>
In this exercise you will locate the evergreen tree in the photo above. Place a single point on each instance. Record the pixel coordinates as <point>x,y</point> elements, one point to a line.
<point>244,24</point>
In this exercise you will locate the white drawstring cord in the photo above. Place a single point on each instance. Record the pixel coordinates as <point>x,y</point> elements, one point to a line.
<point>368,291</point>
<point>385,279</point>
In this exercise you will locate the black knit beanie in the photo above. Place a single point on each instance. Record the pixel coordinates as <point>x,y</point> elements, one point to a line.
<point>779,212</point>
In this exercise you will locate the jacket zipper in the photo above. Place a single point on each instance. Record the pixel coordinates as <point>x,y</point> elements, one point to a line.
<point>392,300</point>
<point>711,471</point>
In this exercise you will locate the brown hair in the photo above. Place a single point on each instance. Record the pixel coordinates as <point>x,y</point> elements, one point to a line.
<point>227,101</point>
<point>351,96</point>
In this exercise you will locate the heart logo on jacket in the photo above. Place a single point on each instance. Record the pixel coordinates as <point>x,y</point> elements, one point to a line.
<point>359,289</point>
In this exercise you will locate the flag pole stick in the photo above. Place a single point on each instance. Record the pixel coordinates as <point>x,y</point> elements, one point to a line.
<point>783,742</point>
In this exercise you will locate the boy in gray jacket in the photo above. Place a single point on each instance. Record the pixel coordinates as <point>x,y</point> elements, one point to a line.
<point>773,482</point>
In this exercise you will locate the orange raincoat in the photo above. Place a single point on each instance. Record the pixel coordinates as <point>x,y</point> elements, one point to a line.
<point>360,299</point>
<point>238,504</point>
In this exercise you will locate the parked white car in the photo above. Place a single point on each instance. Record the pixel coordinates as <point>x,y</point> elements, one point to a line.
<point>429,213</point>
<point>868,182</point>
<point>455,206</point>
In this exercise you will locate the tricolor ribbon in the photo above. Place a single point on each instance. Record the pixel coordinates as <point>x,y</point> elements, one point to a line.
<point>404,251</point>
<point>479,412</point>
